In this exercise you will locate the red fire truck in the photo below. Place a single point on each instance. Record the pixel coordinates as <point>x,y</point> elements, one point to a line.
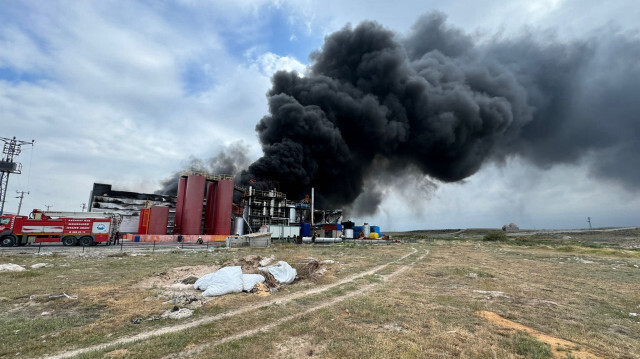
<point>70,228</point>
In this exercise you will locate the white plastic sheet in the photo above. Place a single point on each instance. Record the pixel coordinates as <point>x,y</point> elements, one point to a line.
<point>281,271</point>
<point>224,281</point>
<point>227,280</point>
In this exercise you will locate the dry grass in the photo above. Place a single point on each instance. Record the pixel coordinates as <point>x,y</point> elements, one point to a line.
<point>582,296</point>
<point>110,296</point>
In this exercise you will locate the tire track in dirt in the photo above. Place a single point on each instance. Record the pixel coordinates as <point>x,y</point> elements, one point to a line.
<point>247,333</point>
<point>210,319</point>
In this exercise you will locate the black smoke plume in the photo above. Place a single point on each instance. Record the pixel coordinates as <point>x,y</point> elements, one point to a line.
<point>442,103</point>
<point>229,161</point>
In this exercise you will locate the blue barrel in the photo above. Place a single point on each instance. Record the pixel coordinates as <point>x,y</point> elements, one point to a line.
<point>306,230</point>
<point>339,227</point>
<point>136,239</point>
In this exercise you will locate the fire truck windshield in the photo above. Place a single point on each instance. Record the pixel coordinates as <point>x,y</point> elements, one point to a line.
<point>5,221</point>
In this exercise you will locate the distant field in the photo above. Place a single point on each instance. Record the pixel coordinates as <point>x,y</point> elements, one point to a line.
<point>443,294</point>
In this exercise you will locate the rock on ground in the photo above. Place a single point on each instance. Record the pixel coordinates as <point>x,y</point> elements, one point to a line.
<point>10,267</point>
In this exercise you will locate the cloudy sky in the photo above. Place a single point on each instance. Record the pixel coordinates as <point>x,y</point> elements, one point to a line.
<point>127,92</point>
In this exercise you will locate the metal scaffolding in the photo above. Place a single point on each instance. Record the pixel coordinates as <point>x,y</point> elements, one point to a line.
<point>11,149</point>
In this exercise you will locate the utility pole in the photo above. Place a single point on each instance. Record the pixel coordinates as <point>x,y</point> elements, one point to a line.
<point>48,206</point>
<point>312,200</point>
<point>21,193</point>
<point>12,148</point>
<point>84,205</point>
<point>589,220</point>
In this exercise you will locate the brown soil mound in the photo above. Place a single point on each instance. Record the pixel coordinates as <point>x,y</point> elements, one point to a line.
<point>249,263</point>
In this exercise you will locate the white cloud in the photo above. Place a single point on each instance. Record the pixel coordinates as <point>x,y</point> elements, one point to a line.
<point>19,51</point>
<point>270,63</point>
<point>113,107</point>
<point>570,17</point>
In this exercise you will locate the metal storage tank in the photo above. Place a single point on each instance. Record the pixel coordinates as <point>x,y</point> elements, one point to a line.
<point>348,233</point>
<point>223,203</point>
<point>209,216</point>
<point>239,225</point>
<point>158,220</point>
<point>182,187</point>
<point>194,199</point>
<point>367,230</point>
<point>292,215</point>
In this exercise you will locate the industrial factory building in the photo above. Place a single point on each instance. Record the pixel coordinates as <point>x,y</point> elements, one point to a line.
<point>211,207</point>
<point>129,204</point>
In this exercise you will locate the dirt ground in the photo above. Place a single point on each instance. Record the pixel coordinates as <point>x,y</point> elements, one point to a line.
<point>534,296</point>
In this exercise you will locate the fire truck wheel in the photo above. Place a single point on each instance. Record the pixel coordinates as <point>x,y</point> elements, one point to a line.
<point>86,241</point>
<point>7,241</point>
<point>69,241</point>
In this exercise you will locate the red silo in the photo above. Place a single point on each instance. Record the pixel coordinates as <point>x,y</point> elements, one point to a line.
<point>224,201</point>
<point>182,187</point>
<point>143,224</point>
<point>192,207</point>
<point>158,219</point>
<point>209,215</point>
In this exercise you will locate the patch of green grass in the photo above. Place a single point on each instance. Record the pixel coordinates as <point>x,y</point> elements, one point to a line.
<point>33,334</point>
<point>11,276</point>
<point>495,236</point>
<point>372,278</point>
<point>462,272</point>
<point>527,346</point>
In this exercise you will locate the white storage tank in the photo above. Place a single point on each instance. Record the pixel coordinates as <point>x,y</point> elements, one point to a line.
<point>292,214</point>
<point>366,229</point>
<point>348,233</point>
